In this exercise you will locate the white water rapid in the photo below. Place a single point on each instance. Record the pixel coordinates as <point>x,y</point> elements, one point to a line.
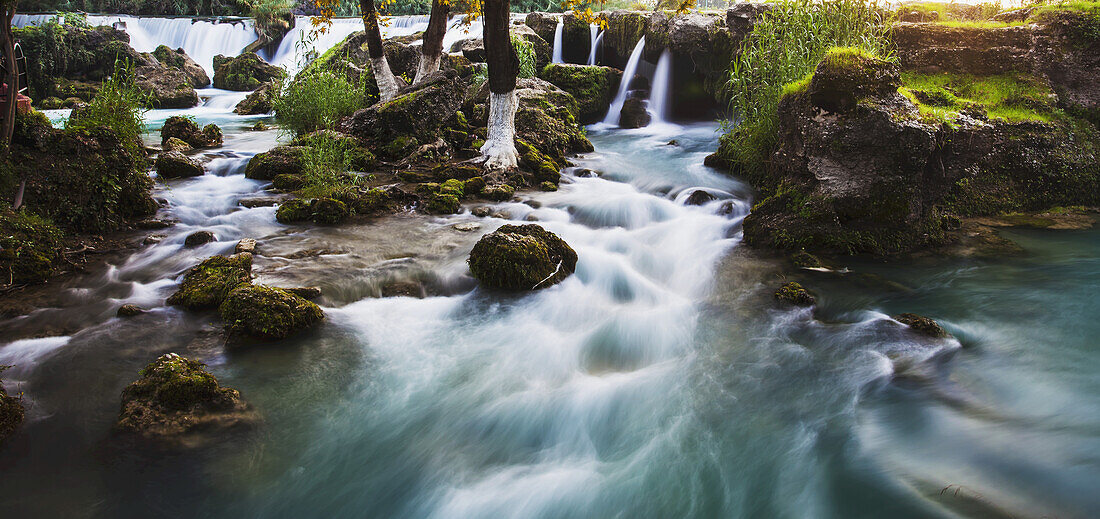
<point>595,43</point>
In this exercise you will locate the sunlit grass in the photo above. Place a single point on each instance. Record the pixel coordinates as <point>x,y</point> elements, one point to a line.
<point>1008,97</point>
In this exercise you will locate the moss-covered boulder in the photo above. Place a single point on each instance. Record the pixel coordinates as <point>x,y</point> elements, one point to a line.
<point>521,257</point>
<point>922,325</point>
<point>179,60</point>
<point>178,404</point>
<point>593,87</point>
<point>547,119</point>
<point>175,144</point>
<point>207,284</point>
<point>268,313</point>
<point>294,211</point>
<point>173,164</point>
<point>11,412</point>
<point>259,102</point>
<point>329,211</point>
<point>417,114</point>
<point>442,203</point>
<point>281,160</point>
<point>244,73</point>
<point>187,130</point>
<point>794,294</point>
<point>30,248</point>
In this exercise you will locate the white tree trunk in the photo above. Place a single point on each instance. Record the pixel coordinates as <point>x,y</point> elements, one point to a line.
<point>499,150</point>
<point>383,76</point>
<point>428,66</point>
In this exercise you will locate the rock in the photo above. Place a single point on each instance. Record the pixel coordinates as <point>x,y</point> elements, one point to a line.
<point>792,293</point>
<point>198,238</point>
<point>548,186</point>
<point>741,17</point>
<point>165,87</point>
<point>701,39</point>
<point>310,293</point>
<point>544,52</point>
<point>11,413</point>
<point>281,160</point>
<point>187,130</point>
<point>288,183</point>
<point>327,211</point>
<point>547,119</point>
<point>30,248</point>
<point>1013,16</point>
<point>1070,60</point>
<point>624,29</point>
<point>268,313</point>
<point>177,403</point>
<point>259,102</point>
<point>179,60</point>
<point>472,49</point>
<point>153,239</point>
<point>207,284</point>
<point>466,227</point>
<point>244,73</point>
<point>805,260</point>
<point>293,211</point>
<point>521,257</point>
<point>174,164</point>
<point>498,192</point>
<point>259,201</point>
<point>414,114</point>
<point>481,212</point>
<point>699,197</point>
<point>442,203</point>
<point>576,37</point>
<point>593,87</point>
<point>635,113</point>
<point>175,144</point>
<point>129,311</point>
<point>245,245</point>
<point>978,50</point>
<point>542,24</point>
<point>922,325</point>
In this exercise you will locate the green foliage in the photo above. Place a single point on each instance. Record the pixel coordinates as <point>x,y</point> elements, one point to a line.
<point>952,11</point>
<point>1009,97</point>
<point>29,247</point>
<point>146,7</point>
<point>119,105</point>
<point>785,45</point>
<point>525,50</point>
<point>318,100</point>
<point>326,162</point>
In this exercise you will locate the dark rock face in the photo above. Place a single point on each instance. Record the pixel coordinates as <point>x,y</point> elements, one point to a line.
<point>198,238</point>
<point>268,313</point>
<point>244,73</point>
<point>207,284</point>
<point>281,160</point>
<point>593,87</point>
<point>257,103</point>
<point>576,37</point>
<point>179,60</point>
<point>166,87</point>
<point>794,294</point>
<point>521,257</point>
<point>173,164</point>
<point>178,404</point>
<point>187,130</point>
<point>922,325</point>
<point>543,24</point>
<point>971,50</point>
<point>1072,64</point>
<point>635,113</point>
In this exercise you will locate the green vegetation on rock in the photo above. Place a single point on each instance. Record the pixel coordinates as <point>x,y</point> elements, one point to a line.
<point>30,247</point>
<point>945,96</point>
<point>268,313</point>
<point>11,411</point>
<point>521,257</point>
<point>794,294</point>
<point>207,284</point>
<point>317,100</point>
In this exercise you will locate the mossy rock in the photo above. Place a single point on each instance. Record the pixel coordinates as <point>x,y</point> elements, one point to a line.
<point>30,248</point>
<point>371,201</point>
<point>473,186</point>
<point>187,130</point>
<point>357,156</point>
<point>294,211</point>
<point>207,284</point>
<point>922,325</point>
<point>328,211</point>
<point>521,257</point>
<point>268,313</point>
<point>244,73</point>
<point>175,144</point>
<point>281,160</point>
<point>794,294</point>
<point>173,164</point>
<point>11,414</point>
<point>453,187</point>
<point>592,86</point>
<point>262,101</point>
<point>498,192</point>
<point>548,186</point>
<point>442,203</point>
<point>177,403</point>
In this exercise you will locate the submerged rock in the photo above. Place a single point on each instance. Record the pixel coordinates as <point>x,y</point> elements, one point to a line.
<point>794,294</point>
<point>268,313</point>
<point>198,238</point>
<point>207,284</point>
<point>244,73</point>
<point>129,310</point>
<point>178,404</point>
<point>173,164</point>
<point>521,257</point>
<point>922,325</point>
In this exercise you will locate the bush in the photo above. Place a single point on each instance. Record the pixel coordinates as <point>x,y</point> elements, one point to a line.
<point>525,50</point>
<point>785,45</point>
<point>318,100</point>
<point>327,159</point>
<point>118,105</point>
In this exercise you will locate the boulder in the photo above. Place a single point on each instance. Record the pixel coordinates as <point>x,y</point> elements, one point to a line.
<point>543,24</point>
<point>576,37</point>
<point>207,284</point>
<point>932,47</point>
<point>258,102</point>
<point>547,119</point>
<point>699,197</point>
<point>244,73</point>
<point>521,257</point>
<point>129,310</point>
<point>635,113</point>
<point>173,164</point>
<point>793,294</point>
<point>741,17</point>
<point>268,313</point>
<point>472,49</point>
<point>179,60</point>
<point>30,248</point>
<point>922,325</point>
<point>414,114</point>
<point>544,50</point>
<point>178,404</point>
<point>281,160</point>
<point>175,144</point>
<point>1070,59</point>
<point>245,245</point>
<point>165,87</point>
<point>593,87</point>
<point>700,38</point>
<point>624,29</point>
<point>198,238</point>
<point>187,130</point>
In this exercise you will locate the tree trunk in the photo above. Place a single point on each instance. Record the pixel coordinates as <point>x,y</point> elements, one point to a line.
<point>383,76</point>
<point>11,72</point>
<point>499,151</point>
<point>432,49</point>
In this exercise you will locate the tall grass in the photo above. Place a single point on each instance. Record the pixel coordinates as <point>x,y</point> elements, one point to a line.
<point>318,100</point>
<point>785,45</point>
<point>119,104</point>
<point>525,51</point>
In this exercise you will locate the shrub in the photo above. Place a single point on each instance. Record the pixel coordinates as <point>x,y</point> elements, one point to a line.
<point>318,100</point>
<point>326,163</point>
<point>525,50</point>
<point>118,105</point>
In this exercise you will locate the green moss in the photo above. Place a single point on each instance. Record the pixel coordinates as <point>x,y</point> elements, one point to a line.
<point>370,201</point>
<point>327,211</point>
<point>498,192</point>
<point>30,248</point>
<point>400,147</point>
<point>442,203</point>
<point>268,313</point>
<point>207,284</point>
<point>1008,97</point>
<point>172,395</point>
<point>473,186</point>
<point>797,87</point>
<point>293,211</point>
<point>922,325</point>
<point>794,294</point>
<point>453,187</point>
<point>523,257</point>
<point>548,186</point>
<point>1082,17</point>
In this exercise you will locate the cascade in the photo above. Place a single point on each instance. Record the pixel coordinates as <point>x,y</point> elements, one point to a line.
<point>660,95</point>
<point>557,43</point>
<point>624,85</point>
<point>596,37</point>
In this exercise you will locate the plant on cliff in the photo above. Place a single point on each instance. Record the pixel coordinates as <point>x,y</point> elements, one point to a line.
<point>119,105</point>
<point>786,44</point>
<point>319,100</point>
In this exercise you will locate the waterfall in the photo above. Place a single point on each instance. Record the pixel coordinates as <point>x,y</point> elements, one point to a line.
<point>660,95</point>
<point>624,85</point>
<point>596,37</point>
<point>557,43</point>
<point>201,40</point>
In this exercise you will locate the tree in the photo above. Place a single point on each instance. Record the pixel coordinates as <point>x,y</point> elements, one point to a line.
<point>383,75</point>
<point>10,71</point>
<point>431,51</point>
<point>499,151</point>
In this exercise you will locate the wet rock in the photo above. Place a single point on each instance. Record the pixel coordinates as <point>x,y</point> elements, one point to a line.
<point>521,257</point>
<point>543,24</point>
<point>244,73</point>
<point>417,113</point>
<point>245,245</point>
<point>498,192</point>
<point>259,102</point>
<point>281,160</point>
<point>593,87</point>
<point>30,248</point>
<point>153,239</point>
<point>175,144</point>
<point>178,404</point>
<point>187,130</point>
<point>586,173</point>
<point>699,197</point>
<point>403,289</point>
<point>259,201</point>
<point>293,211</point>
<point>207,284</point>
<point>268,313</point>
<point>173,164</point>
<point>548,186</point>
<point>156,223</point>
<point>198,238</point>
<point>794,294</point>
<point>129,311</point>
<point>309,293</point>
<point>472,48</point>
<point>481,212</point>
<point>805,260</point>
<point>922,325</point>
<point>165,87</point>
<point>179,60</point>
<point>635,113</point>
<point>328,211</point>
<point>11,413</point>
<point>466,227</point>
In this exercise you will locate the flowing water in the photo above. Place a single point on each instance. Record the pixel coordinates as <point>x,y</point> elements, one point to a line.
<point>616,108</point>
<point>556,56</point>
<point>658,381</point>
<point>660,96</point>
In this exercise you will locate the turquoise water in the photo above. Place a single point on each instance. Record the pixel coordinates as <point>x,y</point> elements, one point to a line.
<point>659,381</point>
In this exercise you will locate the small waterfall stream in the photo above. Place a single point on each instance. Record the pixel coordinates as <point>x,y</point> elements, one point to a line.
<point>660,95</point>
<point>558,45</point>
<point>612,117</point>
<point>595,43</point>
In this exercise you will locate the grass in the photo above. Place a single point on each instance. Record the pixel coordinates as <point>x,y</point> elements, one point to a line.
<point>525,51</point>
<point>978,24</point>
<point>957,11</point>
<point>1008,97</point>
<point>318,101</point>
<point>785,46</point>
<point>119,104</point>
<point>326,163</point>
